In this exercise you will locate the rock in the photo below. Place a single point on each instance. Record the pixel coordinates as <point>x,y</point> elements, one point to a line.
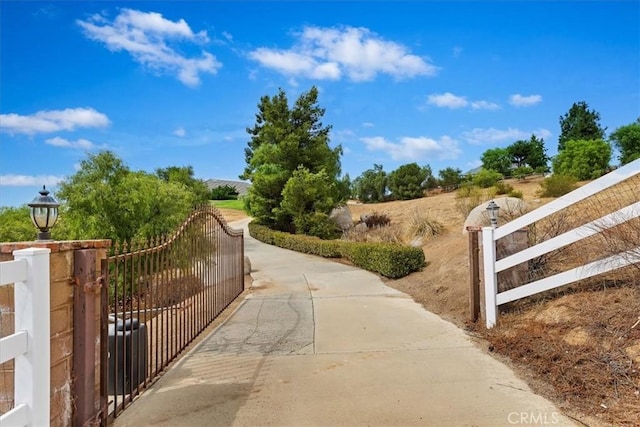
<point>360,227</point>
<point>342,216</point>
<point>247,265</point>
<point>364,217</point>
<point>510,208</point>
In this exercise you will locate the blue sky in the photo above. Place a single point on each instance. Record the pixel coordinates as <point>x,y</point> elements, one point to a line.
<point>176,83</point>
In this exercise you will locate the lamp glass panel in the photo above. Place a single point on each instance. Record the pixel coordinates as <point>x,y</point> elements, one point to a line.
<point>42,218</point>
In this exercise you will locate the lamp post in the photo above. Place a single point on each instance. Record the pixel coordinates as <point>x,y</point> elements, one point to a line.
<point>492,209</point>
<point>44,213</point>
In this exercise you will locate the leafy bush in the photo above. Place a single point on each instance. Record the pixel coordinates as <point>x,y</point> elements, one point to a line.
<point>486,178</point>
<point>503,187</point>
<point>377,219</point>
<point>468,197</point>
<point>557,185</point>
<point>522,172</point>
<point>583,159</point>
<point>390,260</point>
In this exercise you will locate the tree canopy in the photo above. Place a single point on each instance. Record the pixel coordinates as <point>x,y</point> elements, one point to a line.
<point>409,181</point>
<point>579,123</point>
<point>583,159</point>
<point>450,178</point>
<point>627,140</point>
<point>371,186</point>
<point>184,175</point>
<point>498,160</point>
<point>283,140</point>
<point>106,200</point>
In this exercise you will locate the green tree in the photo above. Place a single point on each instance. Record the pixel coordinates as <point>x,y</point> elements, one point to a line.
<point>184,175</point>
<point>16,225</point>
<point>371,186</point>
<point>282,140</point>
<point>583,159</point>
<point>308,198</point>
<point>627,140</point>
<point>224,192</point>
<point>450,178</point>
<point>409,181</point>
<point>531,153</point>
<point>579,123</point>
<point>486,178</point>
<point>106,200</point>
<point>497,159</point>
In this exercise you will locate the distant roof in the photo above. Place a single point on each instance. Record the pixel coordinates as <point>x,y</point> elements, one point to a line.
<point>240,186</point>
<point>474,171</point>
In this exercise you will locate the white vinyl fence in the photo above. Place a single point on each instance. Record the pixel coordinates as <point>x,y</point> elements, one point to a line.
<point>29,345</point>
<point>493,298</point>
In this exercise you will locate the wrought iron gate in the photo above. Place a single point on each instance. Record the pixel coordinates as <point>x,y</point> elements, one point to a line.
<point>159,297</point>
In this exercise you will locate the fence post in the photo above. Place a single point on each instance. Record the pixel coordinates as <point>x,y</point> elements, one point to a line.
<point>490,276</point>
<point>32,314</point>
<point>84,336</point>
<point>474,274</point>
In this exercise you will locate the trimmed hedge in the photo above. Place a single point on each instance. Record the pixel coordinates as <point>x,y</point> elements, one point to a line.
<point>390,260</point>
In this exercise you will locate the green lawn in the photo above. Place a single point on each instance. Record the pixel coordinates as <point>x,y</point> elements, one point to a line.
<point>229,204</point>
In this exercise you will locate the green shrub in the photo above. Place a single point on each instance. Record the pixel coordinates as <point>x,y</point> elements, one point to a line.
<point>503,187</point>
<point>557,185</point>
<point>468,197</point>
<point>390,260</point>
<point>522,172</point>
<point>486,178</point>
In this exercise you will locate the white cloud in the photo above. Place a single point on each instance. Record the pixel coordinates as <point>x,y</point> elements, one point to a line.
<point>457,51</point>
<point>83,144</point>
<point>451,101</point>
<point>146,36</point>
<point>415,148</point>
<point>367,125</point>
<point>11,180</point>
<point>180,132</point>
<point>447,100</point>
<point>331,53</point>
<point>484,105</point>
<point>490,136</point>
<point>52,121</point>
<point>524,101</point>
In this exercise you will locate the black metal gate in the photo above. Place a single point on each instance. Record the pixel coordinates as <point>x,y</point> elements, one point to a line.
<point>159,297</point>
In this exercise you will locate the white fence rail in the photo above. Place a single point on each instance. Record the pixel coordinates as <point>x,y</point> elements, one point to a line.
<point>29,345</point>
<point>490,235</point>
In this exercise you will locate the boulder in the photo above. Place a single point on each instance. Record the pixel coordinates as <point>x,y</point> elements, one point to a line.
<point>510,208</point>
<point>342,216</point>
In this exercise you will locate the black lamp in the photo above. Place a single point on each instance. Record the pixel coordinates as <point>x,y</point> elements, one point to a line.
<point>44,213</point>
<point>492,209</point>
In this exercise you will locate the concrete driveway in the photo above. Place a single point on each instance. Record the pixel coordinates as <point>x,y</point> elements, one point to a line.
<point>320,343</point>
